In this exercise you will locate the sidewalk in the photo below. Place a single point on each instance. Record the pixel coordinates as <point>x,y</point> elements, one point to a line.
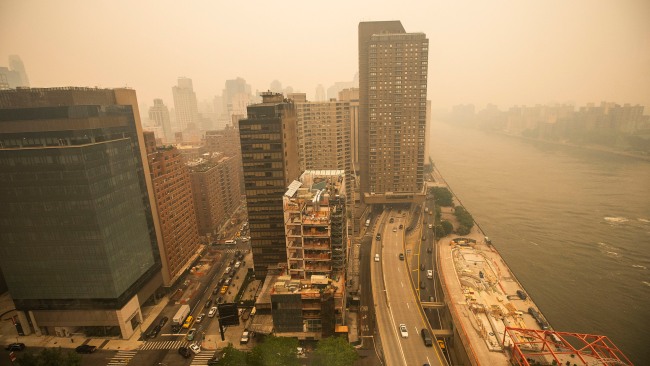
<point>8,331</point>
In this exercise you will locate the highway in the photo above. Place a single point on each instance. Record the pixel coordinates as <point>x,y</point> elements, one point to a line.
<point>395,299</point>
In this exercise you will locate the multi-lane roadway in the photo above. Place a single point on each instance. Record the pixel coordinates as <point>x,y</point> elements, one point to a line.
<point>395,297</point>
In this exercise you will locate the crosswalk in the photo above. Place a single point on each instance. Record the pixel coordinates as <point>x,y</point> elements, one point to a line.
<point>164,345</point>
<point>121,358</point>
<point>230,250</point>
<point>202,358</point>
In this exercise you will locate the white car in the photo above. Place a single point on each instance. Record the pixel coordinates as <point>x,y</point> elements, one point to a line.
<point>213,310</point>
<point>199,318</point>
<point>403,331</point>
<point>195,348</point>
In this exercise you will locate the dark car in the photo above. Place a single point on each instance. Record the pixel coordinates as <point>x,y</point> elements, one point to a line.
<point>401,226</point>
<point>208,303</point>
<point>392,220</point>
<point>219,299</point>
<point>86,348</point>
<point>428,249</point>
<point>401,256</point>
<point>163,321</point>
<point>154,332</point>
<point>15,347</point>
<point>421,266</point>
<point>185,352</point>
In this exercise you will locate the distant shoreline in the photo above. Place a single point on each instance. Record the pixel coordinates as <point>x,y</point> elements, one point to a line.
<point>583,147</point>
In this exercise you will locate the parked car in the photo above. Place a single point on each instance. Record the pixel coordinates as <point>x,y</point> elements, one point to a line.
<point>403,331</point>
<point>154,331</point>
<point>15,347</point>
<point>86,348</point>
<point>401,226</point>
<point>244,337</point>
<point>213,310</point>
<point>401,256</point>
<point>392,220</point>
<point>163,321</point>
<point>195,348</point>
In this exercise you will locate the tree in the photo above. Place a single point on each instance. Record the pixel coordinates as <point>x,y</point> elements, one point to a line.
<point>334,351</point>
<point>464,218</point>
<point>233,357</point>
<point>275,351</point>
<point>50,357</point>
<point>447,228</point>
<point>442,196</point>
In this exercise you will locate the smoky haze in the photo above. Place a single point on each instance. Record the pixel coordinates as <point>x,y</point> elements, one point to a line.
<point>501,52</point>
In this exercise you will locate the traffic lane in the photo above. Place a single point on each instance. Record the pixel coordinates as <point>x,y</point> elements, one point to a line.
<point>404,306</point>
<point>389,343</point>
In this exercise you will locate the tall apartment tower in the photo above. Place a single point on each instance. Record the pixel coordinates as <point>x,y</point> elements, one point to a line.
<point>393,69</point>
<point>270,159</point>
<point>324,137</point>
<point>351,95</point>
<point>159,113</point>
<point>78,230</point>
<point>185,105</point>
<point>175,205</point>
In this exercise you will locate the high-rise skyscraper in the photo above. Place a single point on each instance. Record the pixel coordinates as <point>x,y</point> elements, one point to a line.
<point>270,159</point>
<point>393,68</point>
<point>78,235</point>
<point>15,75</point>
<point>185,105</point>
<point>324,137</point>
<point>159,113</point>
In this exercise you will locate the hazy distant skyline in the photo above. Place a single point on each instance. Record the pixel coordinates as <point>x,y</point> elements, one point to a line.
<point>501,52</point>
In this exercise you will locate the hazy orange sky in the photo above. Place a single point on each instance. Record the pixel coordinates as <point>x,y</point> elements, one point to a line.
<point>502,52</point>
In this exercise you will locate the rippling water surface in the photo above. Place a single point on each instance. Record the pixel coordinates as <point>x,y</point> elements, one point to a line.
<point>573,225</point>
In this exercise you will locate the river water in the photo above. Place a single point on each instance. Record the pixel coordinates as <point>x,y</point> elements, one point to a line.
<point>573,225</point>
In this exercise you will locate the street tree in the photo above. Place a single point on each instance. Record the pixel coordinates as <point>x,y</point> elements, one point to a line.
<point>334,351</point>
<point>275,351</point>
<point>233,357</point>
<point>50,357</point>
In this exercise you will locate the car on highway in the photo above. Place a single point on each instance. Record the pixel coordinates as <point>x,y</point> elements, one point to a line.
<point>224,289</point>
<point>245,336</point>
<point>430,226</point>
<point>15,347</point>
<point>208,303</point>
<point>429,274</point>
<point>429,250</point>
<point>403,331</point>
<point>394,229</point>
<point>219,299</point>
<point>195,348</point>
<point>401,226</point>
<point>424,238</point>
<point>401,256</point>
<point>378,237</point>
<point>392,220</point>
<point>377,257</point>
<point>86,348</point>
<point>213,310</point>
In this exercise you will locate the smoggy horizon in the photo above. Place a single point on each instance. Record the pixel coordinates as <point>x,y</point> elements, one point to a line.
<point>504,53</point>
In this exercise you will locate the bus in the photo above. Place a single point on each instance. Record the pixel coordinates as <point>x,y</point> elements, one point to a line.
<point>188,322</point>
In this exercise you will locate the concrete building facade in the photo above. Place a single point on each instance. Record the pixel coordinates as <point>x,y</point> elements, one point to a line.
<point>79,239</point>
<point>159,114</point>
<point>173,194</point>
<point>185,105</point>
<point>393,67</point>
<point>215,188</point>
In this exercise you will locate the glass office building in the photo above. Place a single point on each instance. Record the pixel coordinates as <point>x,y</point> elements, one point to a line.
<point>78,246</point>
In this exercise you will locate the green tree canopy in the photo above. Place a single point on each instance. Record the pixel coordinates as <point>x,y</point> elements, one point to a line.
<point>464,218</point>
<point>50,357</point>
<point>233,357</point>
<point>447,228</point>
<point>442,196</point>
<point>334,351</point>
<point>275,351</point>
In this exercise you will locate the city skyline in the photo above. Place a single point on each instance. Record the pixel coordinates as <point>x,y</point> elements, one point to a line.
<point>503,53</point>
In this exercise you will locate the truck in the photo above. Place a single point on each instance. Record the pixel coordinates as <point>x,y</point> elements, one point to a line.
<point>179,318</point>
